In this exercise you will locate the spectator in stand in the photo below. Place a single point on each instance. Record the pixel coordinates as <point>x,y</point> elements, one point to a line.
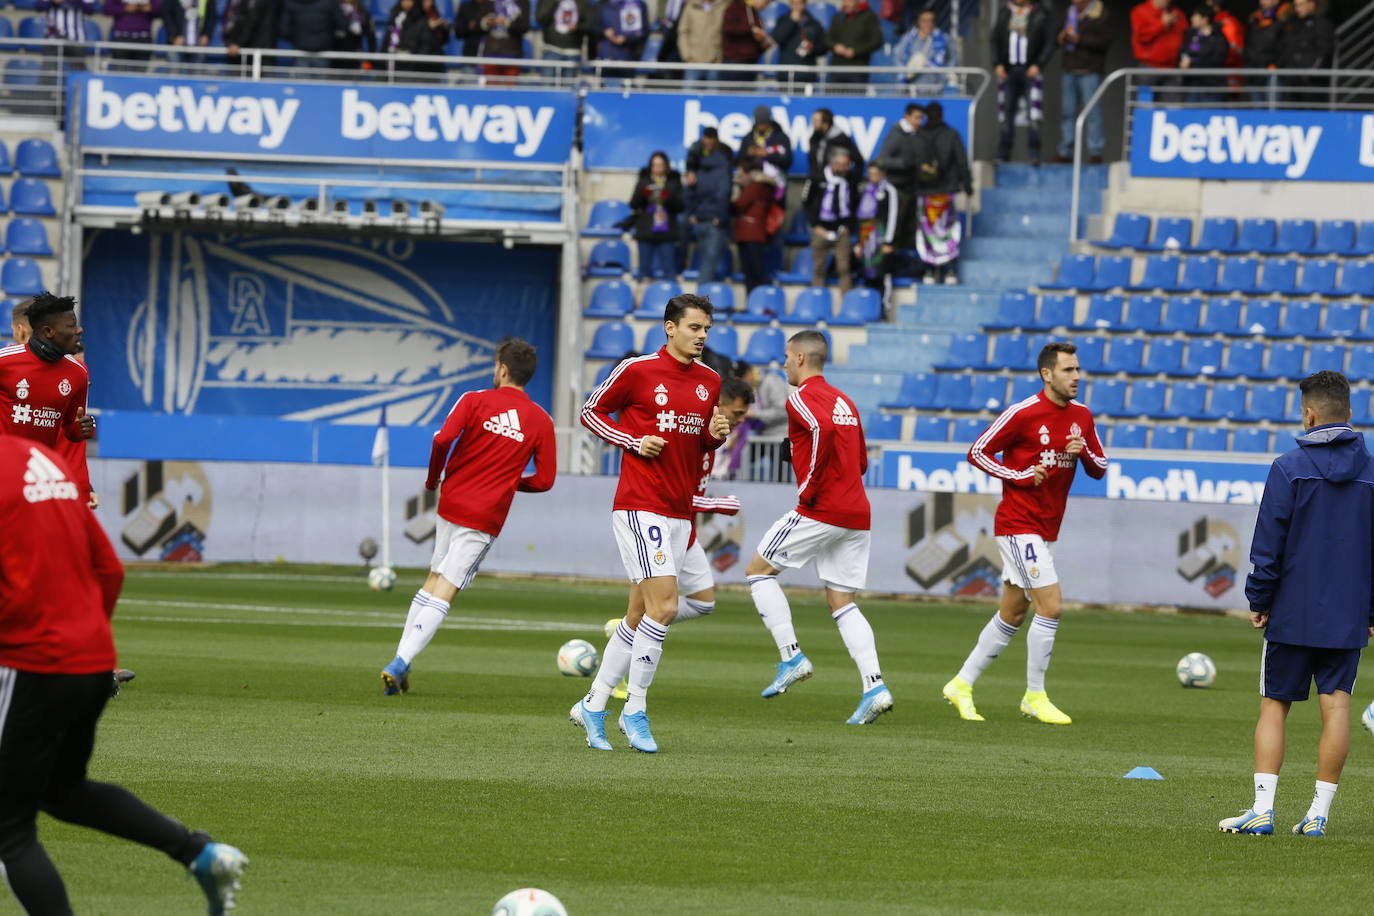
<point>1264,31</point>
<point>251,24</point>
<point>801,41</point>
<point>402,14</point>
<point>1308,45</point>
<point>467,30</point>
<point>1021,46</point>
<point>769,142</point>
<point>1204,48</point>
<point>874,249</point>
<point>924,50</point>
<point>699,38</point>
<point>1232,30</point>
<point>750,200</point>
<point>359,35</point>
<point>668,52</point>
<point>1157,31</point>
<point>853,36</point>
<point>565,25</point>
<point>190,22</point>
<point>707,201</point>
<point>654,208</point>
<point>898,158</point>
<point>743,38</point>
<point>310,25</point>
<point>426,34</point>
<point>1084,37</point>
<point>503,24</point>
<point>132,21</point>
<point>66,20</point>
<point>941,172</point>
<point>623,27</point>
<point>831,207</point>
<point>826,137</point>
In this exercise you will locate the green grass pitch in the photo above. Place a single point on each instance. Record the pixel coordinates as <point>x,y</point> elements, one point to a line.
<point>257,715</point>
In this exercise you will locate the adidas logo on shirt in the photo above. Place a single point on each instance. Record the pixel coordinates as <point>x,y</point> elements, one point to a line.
<point>843,416</point>
<point>44,480</point>
<point>506,423</point>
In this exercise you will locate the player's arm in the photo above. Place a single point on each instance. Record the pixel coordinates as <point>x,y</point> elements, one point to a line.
<point>1270,543</point>
<point>822,446</point>
<point>721,505</point>
<point>76,423</point>
<point>606,400</point>
<point>1093,456</point>
<point>108,571</point>
<point>448,434</point>
<point>863,450</point>
<point>545,463</point>
<point>995,440</point>
<point>717,429</point>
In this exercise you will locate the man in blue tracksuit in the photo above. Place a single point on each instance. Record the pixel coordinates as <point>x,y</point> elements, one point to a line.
<point>1312,591</point>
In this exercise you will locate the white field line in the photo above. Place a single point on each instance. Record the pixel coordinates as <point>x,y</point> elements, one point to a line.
<point>378,618</point>
<point>360,579</point>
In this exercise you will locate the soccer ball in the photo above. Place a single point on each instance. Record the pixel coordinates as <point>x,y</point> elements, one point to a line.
<point>1196,670</point>
<point>611,625</point>
<point>381,578</point>
<point>577,658</point>
<point>529,901</point>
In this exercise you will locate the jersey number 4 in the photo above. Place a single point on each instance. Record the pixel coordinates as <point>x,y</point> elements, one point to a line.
<point>1030,553</point>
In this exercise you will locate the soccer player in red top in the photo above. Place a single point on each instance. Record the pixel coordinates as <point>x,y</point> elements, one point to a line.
<point>43,385</point>
<point>1041,440</point>
<point>829,526</point>
<point>669,418</point>
<point>482,451</point>
<point>59,581</point>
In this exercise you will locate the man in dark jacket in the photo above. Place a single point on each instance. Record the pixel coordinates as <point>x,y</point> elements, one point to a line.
<point>1204,48</point>
<point>706,201</point>
<point>1307,45</point>
<point>565,25</point>
<point>1021,46</point>
<point>1085,34</point>
<point>769,142</point>
<point>897,156</point>
<point>310,25</point>
<point>801,41</point>
<point>826,136</point>
<point>854,34</point>
<point>941,172</point>
<point>1313,553</point>
<point>251,24</point>
<point>190,22</point>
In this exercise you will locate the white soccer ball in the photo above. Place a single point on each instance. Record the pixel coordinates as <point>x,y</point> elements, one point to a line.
<point>529,901</point>
<point>1196,670</point>
<point>577,658</point>
<point>381,578</point>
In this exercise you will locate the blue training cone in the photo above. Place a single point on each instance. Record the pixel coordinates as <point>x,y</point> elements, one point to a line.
<point>1143,773</point>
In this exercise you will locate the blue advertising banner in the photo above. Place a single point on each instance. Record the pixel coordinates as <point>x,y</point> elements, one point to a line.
<point>1239,483</point>
<point>1253,145</point>
<point>621,131</point>
<point>300,119</point>
<point>310,330</point>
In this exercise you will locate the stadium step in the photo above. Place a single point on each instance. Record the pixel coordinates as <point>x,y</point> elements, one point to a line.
<point>1025,175</point>
<point>1015,249</point>
<point>949,308</point>
<point>1052,223</point>
<point>997,273</point>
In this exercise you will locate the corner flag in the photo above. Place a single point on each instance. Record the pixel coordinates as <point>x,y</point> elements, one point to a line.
<point>381,445</point>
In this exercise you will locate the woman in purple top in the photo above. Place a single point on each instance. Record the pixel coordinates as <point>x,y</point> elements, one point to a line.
<point>133,22</point>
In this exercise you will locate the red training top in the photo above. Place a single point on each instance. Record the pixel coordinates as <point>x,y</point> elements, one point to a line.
<point>1028,433</point>
<point>1154,43</point>
<point>656,395</point>
<point>497,431</point>
<point>39,400</point>
<point>829,455</point>
<point>59,576</point>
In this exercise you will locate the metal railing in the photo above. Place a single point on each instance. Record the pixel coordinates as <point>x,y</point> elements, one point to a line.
<point>761,459</point>
<point>1355,43</point>
<point>1239,89</point>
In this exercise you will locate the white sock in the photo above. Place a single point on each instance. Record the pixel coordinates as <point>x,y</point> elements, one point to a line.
<point>1321,801</point>
<point>776,613</point>
<point>1266,784</point>
<point>691,609</point>
<point>648,649</point>
<point>1039,648</point>
<point>995,637</point>
<point>858,639</point>
<point>615,664</point>
<point>426,615</point>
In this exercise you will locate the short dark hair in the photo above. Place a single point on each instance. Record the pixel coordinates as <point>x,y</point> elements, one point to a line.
<point>826,114</point>
<point>45,306</point>
<point>678,306</point>
<point>732,388</point>
<point>710,132</point>
<point>1049,354</point>
<point>1327,393</point>
<point>519,358</point>
<point>912,106</point>
<point>813,343</point>
<point>1206,12</point>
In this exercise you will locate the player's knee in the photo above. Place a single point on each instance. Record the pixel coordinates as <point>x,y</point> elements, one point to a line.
<point>759,567</point>
<point>701,607</point>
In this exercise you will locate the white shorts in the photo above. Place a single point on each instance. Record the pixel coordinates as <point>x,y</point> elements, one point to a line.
<point>841,554</point>
<point>695,573</point>
<point>650,545</point>
<point>458,552</point>
<point>1027,561</point>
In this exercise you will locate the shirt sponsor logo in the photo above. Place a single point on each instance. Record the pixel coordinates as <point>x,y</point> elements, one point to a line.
<point>661,396</point>
<point>506,423</point>
<point>21,390</point>
<point>44,480</point>
<point>1044,436</point>
<point>42,417</point>
<point>688,424</point>
<point>842,415</point>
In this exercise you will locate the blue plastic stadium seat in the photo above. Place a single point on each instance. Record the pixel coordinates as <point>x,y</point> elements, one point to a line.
<point>611,340</point>
<point>884,427</point>
<point>611,299</point>
<point>1145,313</point>
<point>812,305</point>
<point>724,339</point>
<point>33,27</point>
<point>1357,279</point>
<point>1169,436</point>
<point>1364,239</point>
<point>722,295</point>
<point>965,350</point>
<point>21,277</point>
<point>1108,397</point>
<point>1238,276</point>
<point>954,391</point>
<point>931,429</point>
<point>1252,439</point>
<point>1297,236</point>
<point>1125,354</point>
<point>1015,310</point>
<point>824,12</point>
<point>1223,316</point>
<point>1183,313</point>
<point>1280,277</point>
<point>1091,353</point>
<point>1113,272</point>
<point>1362,362</point>
<point>1161,272</point>
<point>1165,357</point>
<point>1269,402</point>
<point>1129,435</point>
<point>1359,406</point>
<point>724,268</point>
<point>1344,320</point>
<point>1172,233</point>
<point>609,258</point>
<point>1131,230</point>
<point>605,214</point>
<point>1300,319</point>
<point>1243,358</point>
<point>764,304</point>
<point>23,72</point>
<point>656,296</point>
<point>1318,278</point>
<point>30,197</point>
<point>1218,234</point>
<point>1336,237</point>
<point>1325,357</point>
<point>800,271</point>
<point>5,167</point>
<point>1227,403</point>
<point>653,339</point>
<point>1285,361</point>
<point>1146,399</point>
<point>1008,350</point>
<point>1024,386</point>
<point>858,307</point>
<point>766,345</point>
<point>1205,357</point>
<point>990,392</point>
<point>917,390</point>
<point>37,159</point>
<point>1186,400</point>
<point>1075,272</point>
<point>1257,235</point>
<point>1104,312</point>
<point>1199,275</point>
<point>1209,439</point>
<point>967,429</point>
<point>27,236</point>
<point>1056,311</point>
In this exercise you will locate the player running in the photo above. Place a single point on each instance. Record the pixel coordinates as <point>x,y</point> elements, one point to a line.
<point>666,431</point>
<point>496,432</point>
<point>829,526</point>
<point>1041,441</point>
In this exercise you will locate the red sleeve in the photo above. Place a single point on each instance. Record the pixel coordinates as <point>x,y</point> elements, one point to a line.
<point>75,408</point>
<point>1145,28</point>
<point>720,505</point>
<point>545,463</point>
<point>995,440</point>
<point>448,434</point>
<point>1094,458</point>
<point>708,438</point>
<point>863,450</point>
<point>822,441</point>
<point>607,400</point>
<point>108,571</point>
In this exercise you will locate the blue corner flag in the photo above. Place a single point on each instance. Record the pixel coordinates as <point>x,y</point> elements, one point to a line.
<point>1143,773</point>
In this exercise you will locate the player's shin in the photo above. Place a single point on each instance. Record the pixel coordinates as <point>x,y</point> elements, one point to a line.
<point>421,625</point>
<point>1039,648</point>
<point>615,664</point>
<point>858,639</point>
<point>995,637</point>
<point>776,614</point>
<point>648,649</point>
<point>692,608</point>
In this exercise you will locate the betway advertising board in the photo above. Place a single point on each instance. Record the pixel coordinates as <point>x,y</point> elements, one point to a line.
<point>621,131</point>
<point>1151,480</point>
<point>300,119</point>
<point>1253,145</point>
